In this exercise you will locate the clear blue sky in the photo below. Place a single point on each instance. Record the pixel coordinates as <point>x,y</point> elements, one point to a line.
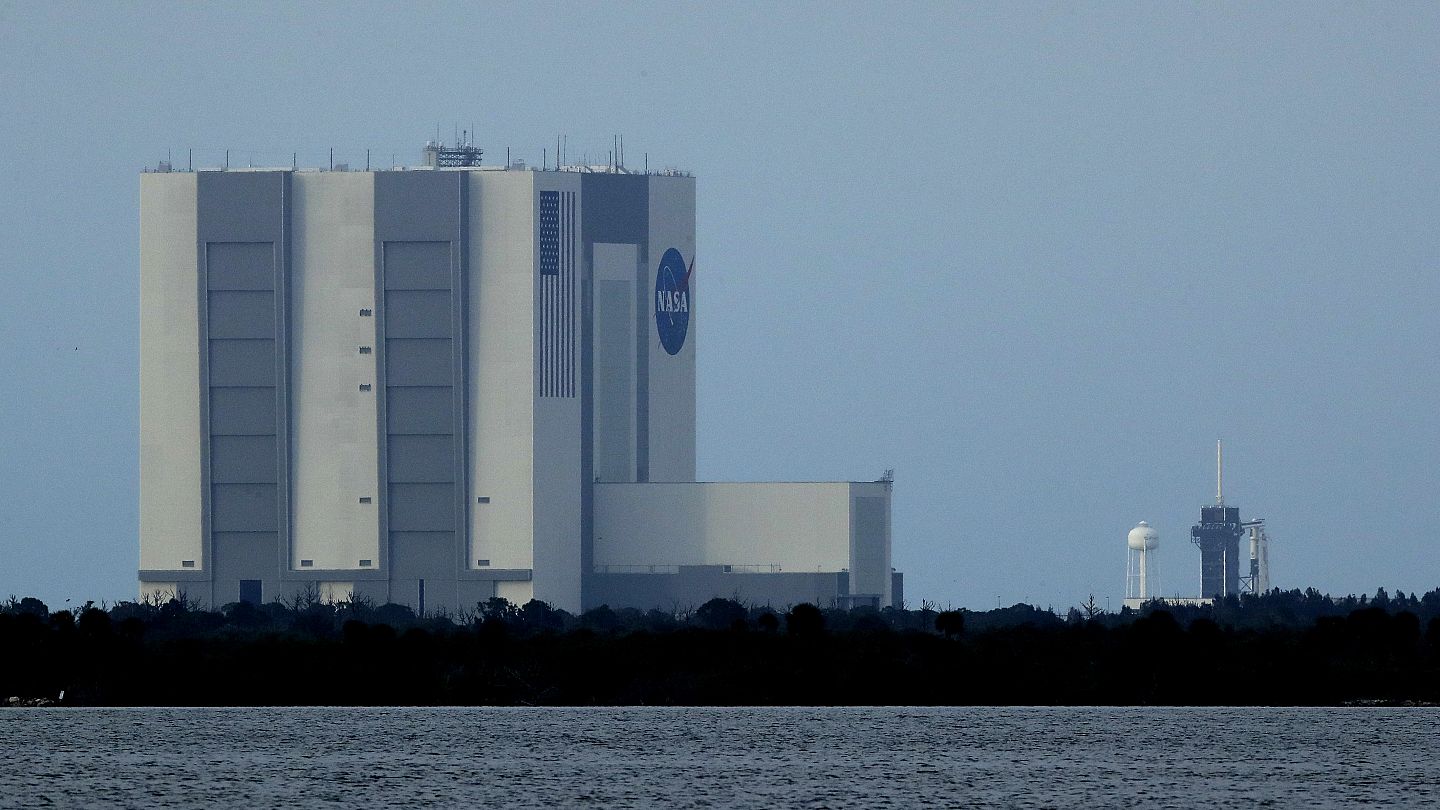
<point>1035,257</point>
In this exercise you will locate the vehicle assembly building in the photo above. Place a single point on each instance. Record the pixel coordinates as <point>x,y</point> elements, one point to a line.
<point>435,385</point>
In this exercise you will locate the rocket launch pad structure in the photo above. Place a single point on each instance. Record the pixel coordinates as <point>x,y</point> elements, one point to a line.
<point>1218,536</point>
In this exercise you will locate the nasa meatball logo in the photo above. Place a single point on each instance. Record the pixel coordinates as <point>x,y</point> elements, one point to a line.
<point>672,300</point>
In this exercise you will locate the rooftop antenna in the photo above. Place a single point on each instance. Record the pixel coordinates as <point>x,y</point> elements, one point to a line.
<point>1219,474</point>
<point>191,165</point>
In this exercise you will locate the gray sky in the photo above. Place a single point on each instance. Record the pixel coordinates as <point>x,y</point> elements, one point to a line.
<point>1035,257</point>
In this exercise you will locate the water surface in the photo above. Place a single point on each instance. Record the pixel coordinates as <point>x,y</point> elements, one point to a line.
<point>646,757</point>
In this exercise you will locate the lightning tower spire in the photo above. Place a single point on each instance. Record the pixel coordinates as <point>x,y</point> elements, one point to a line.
<point>1219,475</point>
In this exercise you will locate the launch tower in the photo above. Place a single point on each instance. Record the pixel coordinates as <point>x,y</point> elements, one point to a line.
<point>1218,536</point>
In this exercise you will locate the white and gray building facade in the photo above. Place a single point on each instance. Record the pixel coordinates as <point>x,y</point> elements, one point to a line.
<point>434,386</point>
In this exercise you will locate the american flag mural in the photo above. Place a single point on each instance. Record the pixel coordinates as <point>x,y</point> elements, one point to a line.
<point>557,294</point>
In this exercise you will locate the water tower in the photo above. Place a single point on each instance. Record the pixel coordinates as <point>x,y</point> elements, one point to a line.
<point>1142,582</point>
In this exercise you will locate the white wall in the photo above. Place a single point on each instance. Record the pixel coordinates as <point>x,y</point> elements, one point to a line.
<point>557,491</point>
<point>335,592</point>
<point>672,378</point>
<point>333,426</point>
<point>517,592</point>
<point>160,592</point>
<point>170,481</point>
<point>501,362</point>
<point>799,527</point>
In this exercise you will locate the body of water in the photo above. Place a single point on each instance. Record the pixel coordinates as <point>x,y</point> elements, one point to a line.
<point>710,757</point>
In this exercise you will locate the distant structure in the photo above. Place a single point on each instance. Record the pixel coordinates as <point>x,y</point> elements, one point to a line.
<point>462,155</point>
<point>1259,580</point>
<point>1218,536</point>
<point>431,386</point>
<point>1142,582</point>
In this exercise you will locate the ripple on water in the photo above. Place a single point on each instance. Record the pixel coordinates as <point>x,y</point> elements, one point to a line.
<point>643,757</point>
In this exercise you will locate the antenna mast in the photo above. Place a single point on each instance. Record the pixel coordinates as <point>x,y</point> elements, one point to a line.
<point>1219,474</point>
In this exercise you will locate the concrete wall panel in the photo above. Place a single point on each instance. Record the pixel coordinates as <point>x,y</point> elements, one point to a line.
<point>171,527</point>
<point>418,362</point>
<point>245,555</point>
<point>335,457</point>
<point>242,314</point>
<point>243,460</point>
<point>692,587</point>
<point>417,265</point>
<point>240,206</point>
<point>781,527</point>
<point>242,411</point>
<point>420,410</point>
<point>500,367</point>
<point>427,557</point>
<point>417,314</point>
<point>241,266</point>
<point>242,363</point>
<point>518,593</point>
<point>422,507</point>
<point>416,206</point>
<point>421,554</point>
<point>244,508</point>
<point>422,459</point>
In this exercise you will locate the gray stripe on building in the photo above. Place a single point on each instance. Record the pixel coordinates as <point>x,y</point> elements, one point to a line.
<point>613,208</point>
<point>420,240</point>
<point>244,254</point>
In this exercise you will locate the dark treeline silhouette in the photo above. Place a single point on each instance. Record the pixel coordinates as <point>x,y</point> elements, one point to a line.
<point>1282,648</point>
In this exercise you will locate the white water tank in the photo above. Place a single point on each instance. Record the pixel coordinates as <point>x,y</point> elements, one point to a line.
<point>1141,583</point>
<point>1144,537</point>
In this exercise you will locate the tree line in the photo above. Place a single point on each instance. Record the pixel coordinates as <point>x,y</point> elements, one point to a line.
<point>1279,648</point>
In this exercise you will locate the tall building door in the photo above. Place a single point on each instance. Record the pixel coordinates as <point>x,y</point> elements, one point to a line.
<point>250,591</point>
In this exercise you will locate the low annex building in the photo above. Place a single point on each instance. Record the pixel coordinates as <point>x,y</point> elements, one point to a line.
<point>435,385</point>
